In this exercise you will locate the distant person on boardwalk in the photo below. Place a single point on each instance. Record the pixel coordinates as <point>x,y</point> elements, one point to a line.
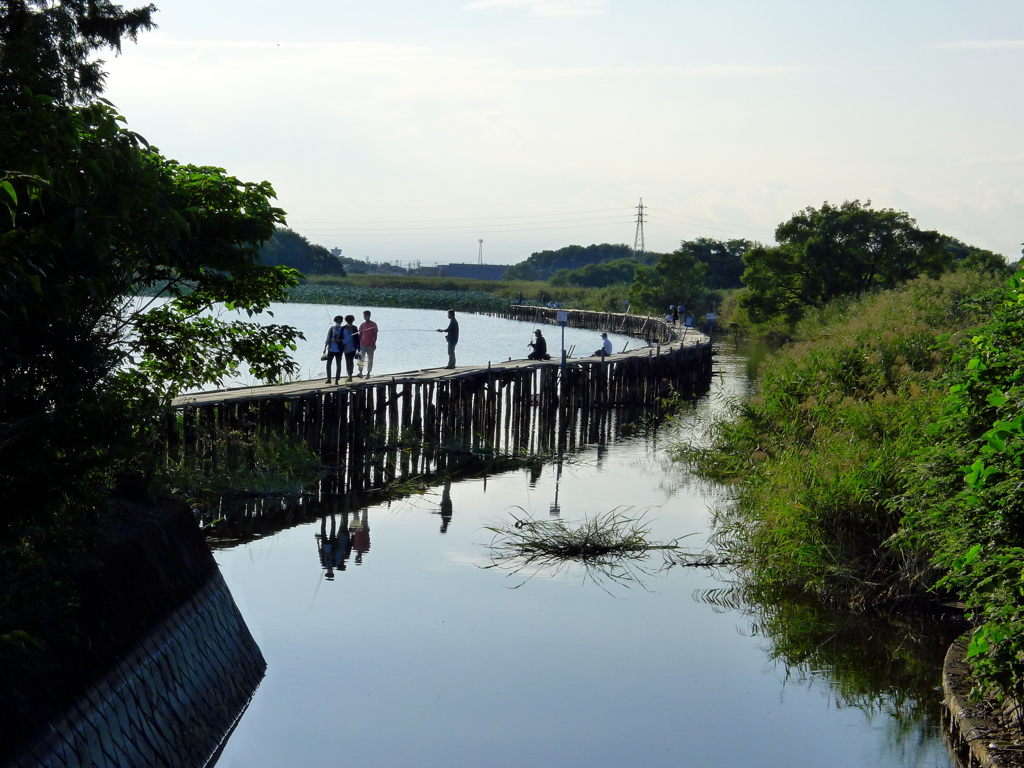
<point>540,347</point>
<point>367,342</point>
<point>350,344</point>
<point>606,346</point>
<point>675,314</point>
<point>333,348</point>
<point>452,337</point>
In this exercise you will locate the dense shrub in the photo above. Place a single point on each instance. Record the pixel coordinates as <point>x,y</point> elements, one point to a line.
<point>815,455</point>
<point>965,500</point>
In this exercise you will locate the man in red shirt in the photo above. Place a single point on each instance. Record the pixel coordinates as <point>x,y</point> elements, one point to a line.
<point>367,342</point>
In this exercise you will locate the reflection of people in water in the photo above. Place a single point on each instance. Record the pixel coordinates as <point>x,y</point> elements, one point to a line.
<point>334,546</point>
<point>360,532</point>
<point>446,505</point>
<point>535,472</point>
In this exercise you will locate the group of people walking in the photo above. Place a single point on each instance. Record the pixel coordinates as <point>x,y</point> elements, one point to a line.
<point>356,345</point>
<point>346,341</point>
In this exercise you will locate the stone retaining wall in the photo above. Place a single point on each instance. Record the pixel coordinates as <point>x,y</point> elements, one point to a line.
<point>164,665</point>
<point>983,734</point>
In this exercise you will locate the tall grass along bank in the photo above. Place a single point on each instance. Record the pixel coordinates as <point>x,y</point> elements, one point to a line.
<point>817,453</point>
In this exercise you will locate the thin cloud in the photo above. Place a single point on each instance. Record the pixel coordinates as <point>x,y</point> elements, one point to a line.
<point>545,8</point>
<point>980,44</point>
<point>696,71</point>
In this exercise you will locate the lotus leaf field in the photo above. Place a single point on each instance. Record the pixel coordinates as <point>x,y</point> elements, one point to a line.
<point>413,298</point>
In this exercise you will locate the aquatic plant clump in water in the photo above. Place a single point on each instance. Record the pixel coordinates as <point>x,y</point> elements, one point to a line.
<point>612,534</point>
<point>608,546</point>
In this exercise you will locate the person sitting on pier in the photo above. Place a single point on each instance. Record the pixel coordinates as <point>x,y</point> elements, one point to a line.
<point>540,347</point>
<point>333,348</point>
<point>606,346</point>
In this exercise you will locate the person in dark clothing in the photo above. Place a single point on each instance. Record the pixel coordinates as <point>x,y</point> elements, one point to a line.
<point>334,348</point>
<point>540,347</point>
<point>452,337</point>
<point>350,345</point>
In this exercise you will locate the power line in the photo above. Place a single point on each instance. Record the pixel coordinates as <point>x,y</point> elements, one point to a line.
<point>469,220</point>
<point>453,230</point>
<point>695,222</point>
<point>462,226</point>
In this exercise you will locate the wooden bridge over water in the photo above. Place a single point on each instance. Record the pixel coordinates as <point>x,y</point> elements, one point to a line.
<point>416,423</point>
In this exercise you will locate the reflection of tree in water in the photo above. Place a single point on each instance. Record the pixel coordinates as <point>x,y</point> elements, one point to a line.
<point>886,665</point>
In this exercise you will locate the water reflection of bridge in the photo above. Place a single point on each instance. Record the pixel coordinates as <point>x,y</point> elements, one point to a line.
<point>417,423</point>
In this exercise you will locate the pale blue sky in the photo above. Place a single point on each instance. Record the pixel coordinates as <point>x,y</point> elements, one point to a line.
<point>404,130</point>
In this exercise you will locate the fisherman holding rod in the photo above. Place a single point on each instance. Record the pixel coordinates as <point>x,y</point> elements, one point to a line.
<point>452,337</point>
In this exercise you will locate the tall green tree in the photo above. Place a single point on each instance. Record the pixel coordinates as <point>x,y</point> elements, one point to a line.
<point>723,259</point>
<point>676,278</point>
<point>46,48</point>
<point>90,212</point>
<point>598,275</point>
<point>837,250</point>
<point>543,264</point>
<point>288,248</point>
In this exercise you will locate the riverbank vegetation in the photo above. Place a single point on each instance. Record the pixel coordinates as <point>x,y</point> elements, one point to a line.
<point>819,450</point>
<point>879,462</point>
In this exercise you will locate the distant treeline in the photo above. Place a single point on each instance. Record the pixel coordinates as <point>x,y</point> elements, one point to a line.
<point>821,253</point>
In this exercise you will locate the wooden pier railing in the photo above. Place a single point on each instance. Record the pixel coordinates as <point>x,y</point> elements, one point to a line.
<point>416,424</point>
<point>653,329</point>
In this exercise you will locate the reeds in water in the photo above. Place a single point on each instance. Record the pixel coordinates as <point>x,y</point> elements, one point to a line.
<point>609,546</point>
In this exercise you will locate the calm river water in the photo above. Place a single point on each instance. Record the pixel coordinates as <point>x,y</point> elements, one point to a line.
<point>412,652</point>
<point>409,339</point>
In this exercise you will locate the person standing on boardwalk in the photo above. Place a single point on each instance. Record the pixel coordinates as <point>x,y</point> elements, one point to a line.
<point>350,344</point>
<point>367,342</point>
<point>606,346</point>
<point>333,348</point>
<point>540,347</point>
<point>452,337</point>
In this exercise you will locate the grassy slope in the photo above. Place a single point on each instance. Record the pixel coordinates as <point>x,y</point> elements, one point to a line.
<point>818,452</point>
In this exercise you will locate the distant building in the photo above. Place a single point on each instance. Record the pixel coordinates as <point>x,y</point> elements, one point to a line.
<point>474,271</point>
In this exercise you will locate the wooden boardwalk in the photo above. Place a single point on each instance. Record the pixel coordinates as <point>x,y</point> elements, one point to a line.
<point>298,388</point>
<point>383,429</point>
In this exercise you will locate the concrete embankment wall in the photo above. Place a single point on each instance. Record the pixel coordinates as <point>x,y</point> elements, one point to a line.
<point>163,663</point>
<point>985,733</point>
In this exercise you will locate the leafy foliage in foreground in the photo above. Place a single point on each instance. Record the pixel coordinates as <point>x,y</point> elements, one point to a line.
<point>965,502</point>
<point>90,212</point>
<point>817,452</point>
